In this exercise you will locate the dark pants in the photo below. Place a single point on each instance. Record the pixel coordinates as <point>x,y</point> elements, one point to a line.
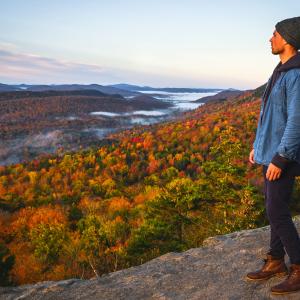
<point>284,236</point>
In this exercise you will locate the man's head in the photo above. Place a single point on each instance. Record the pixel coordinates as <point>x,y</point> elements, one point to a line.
<point>278,43</point>
<point>286,35</point>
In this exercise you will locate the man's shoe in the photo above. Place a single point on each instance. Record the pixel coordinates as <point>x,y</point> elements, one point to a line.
<point>290,284</point>
<point>272,267</point>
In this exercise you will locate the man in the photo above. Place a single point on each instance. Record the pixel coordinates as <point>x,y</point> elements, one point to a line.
<point>277,148</point>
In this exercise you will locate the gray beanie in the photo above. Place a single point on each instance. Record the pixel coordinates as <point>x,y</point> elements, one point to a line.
<point>289,29</point>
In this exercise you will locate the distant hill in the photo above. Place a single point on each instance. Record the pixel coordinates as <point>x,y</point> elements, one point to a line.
<point>24,112</point>
<point>49,93</point>
<point>7,88</point>
<point>223,95</point>
<point>147,101</point>
<point>130,87</point>
<point>126,90</point>
<point>67,87</point>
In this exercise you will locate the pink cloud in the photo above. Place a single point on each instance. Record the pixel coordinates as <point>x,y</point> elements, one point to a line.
<point>18,67</point>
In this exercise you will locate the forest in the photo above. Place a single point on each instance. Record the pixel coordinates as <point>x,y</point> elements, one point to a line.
<point>153,189</point>
<point>25,112</point>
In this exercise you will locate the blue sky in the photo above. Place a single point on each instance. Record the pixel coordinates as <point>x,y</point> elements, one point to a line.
<point>158,43</point>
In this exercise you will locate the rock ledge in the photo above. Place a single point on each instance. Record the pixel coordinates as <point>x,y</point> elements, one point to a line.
<point>215,271</point>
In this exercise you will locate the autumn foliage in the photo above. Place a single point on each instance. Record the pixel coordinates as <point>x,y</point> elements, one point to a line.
<point>159,188</point>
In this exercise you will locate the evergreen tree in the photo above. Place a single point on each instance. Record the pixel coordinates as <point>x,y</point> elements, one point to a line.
<point>6,263</point>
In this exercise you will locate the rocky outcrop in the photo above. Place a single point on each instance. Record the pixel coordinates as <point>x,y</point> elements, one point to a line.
<point>215,271</point>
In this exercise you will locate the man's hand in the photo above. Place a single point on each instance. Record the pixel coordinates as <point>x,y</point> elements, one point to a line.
<point>251,157</point>
<point>273,172</point>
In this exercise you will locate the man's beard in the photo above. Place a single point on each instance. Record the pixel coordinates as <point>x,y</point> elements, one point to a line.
<point>276,52</point>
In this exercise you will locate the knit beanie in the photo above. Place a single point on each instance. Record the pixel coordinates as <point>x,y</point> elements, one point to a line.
<point>289,29</point>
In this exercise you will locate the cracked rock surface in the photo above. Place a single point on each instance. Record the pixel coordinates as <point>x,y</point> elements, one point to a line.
<point>215,271</point>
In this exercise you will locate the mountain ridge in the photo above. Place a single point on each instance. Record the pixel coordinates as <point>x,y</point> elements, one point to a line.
<point>66,87</point>
<point>131,87</point>
<point>123,89</point>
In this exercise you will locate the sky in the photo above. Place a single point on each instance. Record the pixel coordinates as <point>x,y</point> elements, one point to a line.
<point>159,43</point>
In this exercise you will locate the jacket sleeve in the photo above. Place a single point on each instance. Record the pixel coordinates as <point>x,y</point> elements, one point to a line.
<point>260,113</point>
<point>290,141</point>
<point>280,161</point>
<point>258,126</point>
<point>254,143</point>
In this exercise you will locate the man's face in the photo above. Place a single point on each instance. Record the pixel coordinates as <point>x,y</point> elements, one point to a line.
<point>277,43</point>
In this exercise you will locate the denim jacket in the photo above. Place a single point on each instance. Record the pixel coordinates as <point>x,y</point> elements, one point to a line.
<point>278,129</point>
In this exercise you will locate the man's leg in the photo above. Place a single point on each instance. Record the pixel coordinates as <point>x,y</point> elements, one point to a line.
<point>276,247</point>
<point>278,199</point>
<point>283,230</point>
<point>274,263</point>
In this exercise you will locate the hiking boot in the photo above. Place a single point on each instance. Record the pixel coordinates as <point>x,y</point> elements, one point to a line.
<point>290,284</point>
<point>272,267</point>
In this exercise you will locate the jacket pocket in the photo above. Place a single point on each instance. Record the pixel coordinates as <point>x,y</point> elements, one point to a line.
<point>278,96</point>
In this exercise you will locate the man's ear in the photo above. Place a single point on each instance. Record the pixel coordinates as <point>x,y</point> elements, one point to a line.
<point>284,41</point>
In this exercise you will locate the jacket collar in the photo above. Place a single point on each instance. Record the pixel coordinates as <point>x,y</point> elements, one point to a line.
<point>292,63</point>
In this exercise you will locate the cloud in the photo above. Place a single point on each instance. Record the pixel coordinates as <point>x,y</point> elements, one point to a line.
<point>18,67</point>
<point>30,68</point>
